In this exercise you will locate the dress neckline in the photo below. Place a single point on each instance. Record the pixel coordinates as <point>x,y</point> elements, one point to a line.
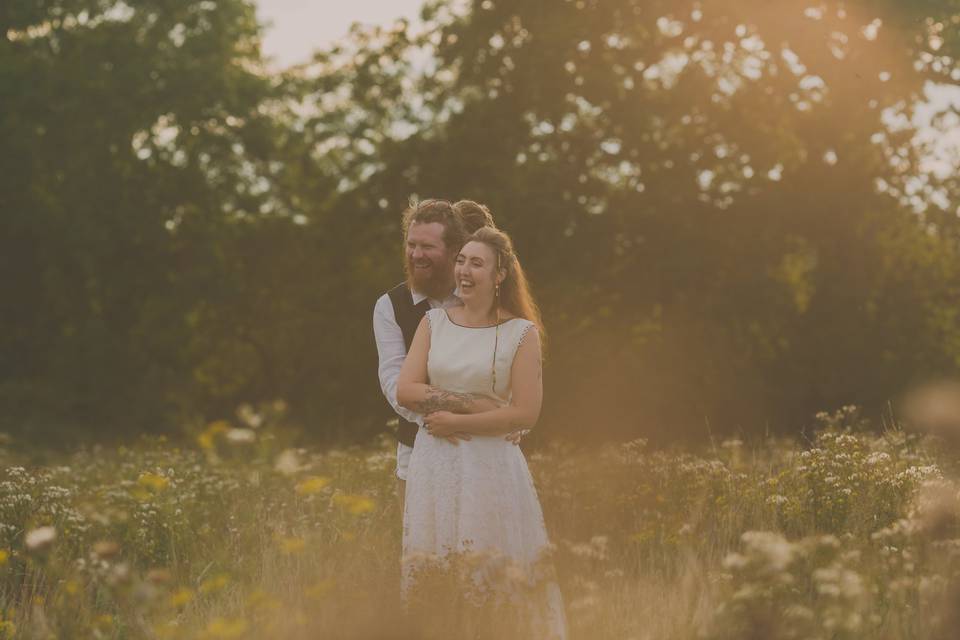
<point>489,326</point>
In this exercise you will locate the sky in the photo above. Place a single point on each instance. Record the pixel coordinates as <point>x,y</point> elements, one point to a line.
<point>301,26</point>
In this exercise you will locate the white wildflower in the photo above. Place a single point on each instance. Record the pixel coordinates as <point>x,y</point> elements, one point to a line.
<point>241,436</point>
<point>40,538</point>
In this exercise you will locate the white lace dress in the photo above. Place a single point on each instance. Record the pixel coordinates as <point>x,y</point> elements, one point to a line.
<point>478,497</point>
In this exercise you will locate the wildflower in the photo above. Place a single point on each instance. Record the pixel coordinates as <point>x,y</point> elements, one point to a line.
<point>207,439</point>
<point>40,538</point>
<point>735,561</point>
<point>72,587</point>
<point>288,462</point>
<point>153,481</point>
<point>103,622</point>
<point>118,573</point>
<point>4,556</point>
<point>262,601</point>
<point>223,628</point>
<point>289,546</point>
<point>241,436</point>
<point>106,548</point>
<point>312,485</point>
<point>168,629</point>
<point>773,547</point>
<point>355,504</point>
<point>181,596</point>
<point>159,576</point>
<point>214,583</point>
<point>838,582</point>
<point>249,416</point>
<point>320,589</point>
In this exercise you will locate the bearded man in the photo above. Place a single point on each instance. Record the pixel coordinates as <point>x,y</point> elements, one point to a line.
<point>434,232</point>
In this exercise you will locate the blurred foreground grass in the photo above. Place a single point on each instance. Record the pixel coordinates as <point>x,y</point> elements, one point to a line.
<point>239,535</point>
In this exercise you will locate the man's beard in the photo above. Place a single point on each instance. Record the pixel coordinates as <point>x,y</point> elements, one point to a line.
<point>436,284</point>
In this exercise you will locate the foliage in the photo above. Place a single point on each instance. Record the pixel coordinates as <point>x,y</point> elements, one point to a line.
<point>720,207</point>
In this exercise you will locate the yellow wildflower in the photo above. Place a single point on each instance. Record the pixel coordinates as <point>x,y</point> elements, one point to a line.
<point>4,556</point>
<point>312,485</point>
<point>140,494</point>
<point>153,481</point>
<point>205,440</point>
<point>263,601</point>
<point>291,545</point>
<point>181,596</point>
<point>355,504</point>
<point>214,583</point>
<point>208,438</point>
<point>218,426</point>
<point>223,628</point>
<point>103,622</point>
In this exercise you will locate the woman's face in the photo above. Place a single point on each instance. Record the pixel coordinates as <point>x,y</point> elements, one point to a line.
<point>474,271</point>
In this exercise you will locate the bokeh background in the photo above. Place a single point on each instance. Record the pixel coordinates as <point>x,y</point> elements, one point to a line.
<point>735,214</point>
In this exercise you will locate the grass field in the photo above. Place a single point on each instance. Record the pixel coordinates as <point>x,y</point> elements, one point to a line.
<point>239,535</point>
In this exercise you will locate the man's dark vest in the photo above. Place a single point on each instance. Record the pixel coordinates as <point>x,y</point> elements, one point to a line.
<point>408,317</point>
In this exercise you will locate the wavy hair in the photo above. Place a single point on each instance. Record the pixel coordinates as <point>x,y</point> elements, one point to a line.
<point>515,294</point>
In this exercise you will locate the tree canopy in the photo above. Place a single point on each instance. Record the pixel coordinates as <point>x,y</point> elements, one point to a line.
<point>722,208</point>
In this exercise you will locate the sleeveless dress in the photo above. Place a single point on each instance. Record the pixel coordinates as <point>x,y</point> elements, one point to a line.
<point>477,497</point>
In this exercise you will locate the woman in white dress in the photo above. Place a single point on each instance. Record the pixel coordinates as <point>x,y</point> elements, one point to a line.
<point>474,373</point>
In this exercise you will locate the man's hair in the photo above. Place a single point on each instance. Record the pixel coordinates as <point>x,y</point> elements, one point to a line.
<point>436,210</point>
<point>474,215</point>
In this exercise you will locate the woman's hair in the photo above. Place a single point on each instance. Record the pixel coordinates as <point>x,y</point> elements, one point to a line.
<point>515,294</point>
<point>436,210</point>
<point>474,215</point>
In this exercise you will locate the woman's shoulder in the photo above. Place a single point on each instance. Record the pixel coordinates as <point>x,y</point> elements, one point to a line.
<point>519,327</point>
<point>432,315</point>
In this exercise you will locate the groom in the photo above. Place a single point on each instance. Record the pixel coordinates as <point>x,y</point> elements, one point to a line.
<point>434,232</point>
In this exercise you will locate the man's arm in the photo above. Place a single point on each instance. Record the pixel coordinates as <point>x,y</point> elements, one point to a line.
<point>391,351</point>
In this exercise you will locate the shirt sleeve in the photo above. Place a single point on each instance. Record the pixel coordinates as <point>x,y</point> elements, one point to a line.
<point>391,351</point>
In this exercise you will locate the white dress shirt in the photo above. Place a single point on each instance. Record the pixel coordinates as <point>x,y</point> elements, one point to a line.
<point>392,350</point>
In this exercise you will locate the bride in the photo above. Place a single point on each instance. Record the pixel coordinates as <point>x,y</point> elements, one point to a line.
<point>468,489</point>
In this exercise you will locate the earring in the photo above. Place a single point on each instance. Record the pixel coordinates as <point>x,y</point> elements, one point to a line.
<point>496,292</point>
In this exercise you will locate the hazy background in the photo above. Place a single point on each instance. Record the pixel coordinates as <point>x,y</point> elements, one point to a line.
<point>735,215</point>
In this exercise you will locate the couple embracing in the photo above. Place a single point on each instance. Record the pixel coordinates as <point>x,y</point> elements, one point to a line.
<point>460,361</point>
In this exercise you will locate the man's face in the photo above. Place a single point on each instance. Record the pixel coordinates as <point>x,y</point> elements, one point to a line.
<point>429,262</point>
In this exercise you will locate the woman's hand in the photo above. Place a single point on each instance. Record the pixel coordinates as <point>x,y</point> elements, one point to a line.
<point>444,424</point>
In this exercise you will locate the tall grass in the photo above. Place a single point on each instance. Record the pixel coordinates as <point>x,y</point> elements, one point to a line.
<point>241,535</point>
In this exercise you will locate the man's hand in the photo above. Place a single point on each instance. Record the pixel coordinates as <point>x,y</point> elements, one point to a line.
<point>516,435</point>
<point>444,424</point>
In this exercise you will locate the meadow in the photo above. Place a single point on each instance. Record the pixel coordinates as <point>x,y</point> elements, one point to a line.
<point>239,533</point>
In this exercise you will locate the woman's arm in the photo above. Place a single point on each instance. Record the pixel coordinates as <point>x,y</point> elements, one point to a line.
<point>415,394</point>
<point>526,380</point>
